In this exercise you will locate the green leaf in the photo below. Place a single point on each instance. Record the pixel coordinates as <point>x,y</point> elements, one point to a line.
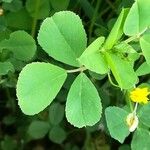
<point>122,71</point>
<point>3,23</point>
<point>4,35</point>
<point>9,120</point>
<point>141,140</point>
<point>143,69</point>
<point>83,106</point>
<point>124,147</point>
<point>8,143</point>
<point>57,135</point>
<point>144,116</point>
<point>117,30</point>
<point>87,8</point>
<point>138,18</point>
<point>145,46</point>
<point>124,47</point>
<point>38,129</point>
<point>126,3</point>
<point>59,5</point>
<point>93,59</point>
<point>18,64</point>
<point>21,44</point>
<point>37,86</point>
<point>54,110</point>
<point>33,7</point>
<point>127,51</point>
<point>5,67</point>
<point>19,20</point>
<point>14,6</point>
<point>116,123</point>
<point>97,76</point>
<point>7,1</point>
<point>63,37</point>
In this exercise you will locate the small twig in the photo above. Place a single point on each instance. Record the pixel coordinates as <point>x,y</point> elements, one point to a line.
<point>135,109</point>
<point>81,69</point>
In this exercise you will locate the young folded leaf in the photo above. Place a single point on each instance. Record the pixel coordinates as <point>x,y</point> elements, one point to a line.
<point>93,59</point>
<point>117,30</point>
<point>122,71</point>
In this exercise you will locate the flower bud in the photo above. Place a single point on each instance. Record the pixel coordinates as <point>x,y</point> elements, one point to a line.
<point>132,122</point>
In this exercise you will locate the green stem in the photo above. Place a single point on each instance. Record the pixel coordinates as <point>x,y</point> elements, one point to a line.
<point>81,69</point>
<point>135,108</point>
<point>94,18</point>
<point>128,101</point>
<point>130,105</point>
<point>110,80</point>
<point>111,5</point>
<point>34,23</point>
<point>104,11</point>
<point>130,39</point>
<point>86,143</point>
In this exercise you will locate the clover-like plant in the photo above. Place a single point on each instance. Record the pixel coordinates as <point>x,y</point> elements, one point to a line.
<point>63,38</point>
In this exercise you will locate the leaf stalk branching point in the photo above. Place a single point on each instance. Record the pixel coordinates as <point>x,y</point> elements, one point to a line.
<point>81,69</point>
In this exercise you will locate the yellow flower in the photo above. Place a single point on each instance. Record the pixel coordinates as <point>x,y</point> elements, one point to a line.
<point>139,95</point>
